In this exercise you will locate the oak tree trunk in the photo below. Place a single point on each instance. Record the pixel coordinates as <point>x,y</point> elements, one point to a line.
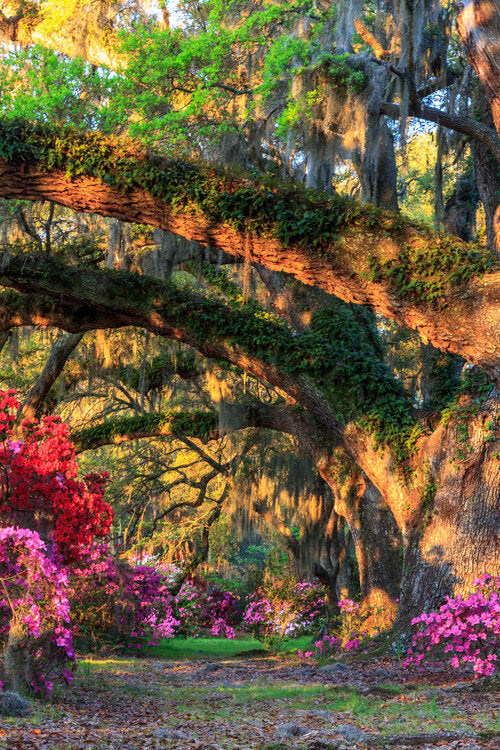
<point>456,538</point>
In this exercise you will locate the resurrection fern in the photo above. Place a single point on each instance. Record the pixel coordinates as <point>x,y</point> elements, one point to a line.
<point>263,207</point>
<point>198,424</point>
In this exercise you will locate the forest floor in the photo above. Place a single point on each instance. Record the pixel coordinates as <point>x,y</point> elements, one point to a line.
<point>261,702</point>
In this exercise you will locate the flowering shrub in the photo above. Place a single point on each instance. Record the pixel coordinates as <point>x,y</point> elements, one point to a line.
<point>34,614</point>
<point>114,601</point>
<point>117,602</point>
<point>203,607</point>
<point>323,649</point>
<point>39,486</point>
<point>466,629</point>
<point>284,608</point>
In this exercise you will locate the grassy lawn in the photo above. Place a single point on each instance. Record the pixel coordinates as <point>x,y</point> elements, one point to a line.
<point>213,648</point>
<point>201,648</point>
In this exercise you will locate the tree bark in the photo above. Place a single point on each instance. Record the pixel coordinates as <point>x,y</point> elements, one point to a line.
<point>487,177</point>
<point>468,325</point>
<point>478,24</point>
<point>374,531</point>
<point>455,536</point>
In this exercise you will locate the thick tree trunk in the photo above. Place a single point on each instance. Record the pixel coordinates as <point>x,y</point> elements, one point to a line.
<point>478,24</point>
<point>374,531</point>
<point>487,176</point>
<point>456,536</point>
<point>16,669</point>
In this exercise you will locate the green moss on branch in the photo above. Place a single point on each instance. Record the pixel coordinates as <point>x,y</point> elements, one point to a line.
<point>196,424</point>
<point>263,207</point>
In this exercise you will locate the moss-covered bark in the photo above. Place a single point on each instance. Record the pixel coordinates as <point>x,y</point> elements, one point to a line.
<point>446,289</point>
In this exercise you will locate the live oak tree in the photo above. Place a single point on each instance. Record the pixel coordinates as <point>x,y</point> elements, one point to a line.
<point>436,468</point>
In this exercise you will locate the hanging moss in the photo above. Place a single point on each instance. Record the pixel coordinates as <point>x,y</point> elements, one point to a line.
<point>155,374</point>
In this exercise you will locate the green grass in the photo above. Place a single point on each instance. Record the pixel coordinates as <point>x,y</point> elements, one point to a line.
<point>192,648</point>
<point>218,648</point>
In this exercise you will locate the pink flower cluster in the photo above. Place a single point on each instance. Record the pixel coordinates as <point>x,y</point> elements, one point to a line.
<point>202,607</point>
<point>284,608</point>
<point>35,602</point>
<point>468,630</point>
<point>323,651</point>
<point>117,601</point>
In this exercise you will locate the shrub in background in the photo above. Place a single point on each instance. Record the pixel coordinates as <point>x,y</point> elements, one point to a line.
<point>113,602</point>
<point>202,607</point>
<point>284,608</point>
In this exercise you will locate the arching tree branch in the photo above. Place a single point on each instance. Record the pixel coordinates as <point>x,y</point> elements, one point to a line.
<point>441,287</point>
<point>59,354</point>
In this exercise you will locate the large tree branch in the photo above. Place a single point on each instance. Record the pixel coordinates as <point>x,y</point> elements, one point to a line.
<point>217,331</point>
<point>422,280</point>
<point>319,434</point>
<point>459,123</point>
<point>59,354</point>
<point>199,425</point>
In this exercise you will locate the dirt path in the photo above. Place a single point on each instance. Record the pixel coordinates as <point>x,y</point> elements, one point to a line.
<point>131,704</point>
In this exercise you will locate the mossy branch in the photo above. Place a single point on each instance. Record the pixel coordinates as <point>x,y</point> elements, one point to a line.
<point>202,425</point>
<point>445,288</point>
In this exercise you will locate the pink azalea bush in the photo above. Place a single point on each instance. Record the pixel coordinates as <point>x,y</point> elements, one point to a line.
<point>468,630</point>
<point>34,614</point>
<point>116,602</point>
<point>201,607</point>
<point>284,608</point>
<point>130,605</point>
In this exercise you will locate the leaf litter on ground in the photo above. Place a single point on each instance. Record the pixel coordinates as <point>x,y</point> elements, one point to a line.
<point>266,704</point>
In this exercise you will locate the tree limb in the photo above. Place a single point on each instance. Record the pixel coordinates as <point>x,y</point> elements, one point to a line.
<point>59,354</point>
<point>343,262</point>
<point>459,123</point>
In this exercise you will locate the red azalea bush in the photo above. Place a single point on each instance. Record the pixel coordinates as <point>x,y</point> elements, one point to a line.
<point>39,486</point>
<point>34,614</point>
<point>467,630</point>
